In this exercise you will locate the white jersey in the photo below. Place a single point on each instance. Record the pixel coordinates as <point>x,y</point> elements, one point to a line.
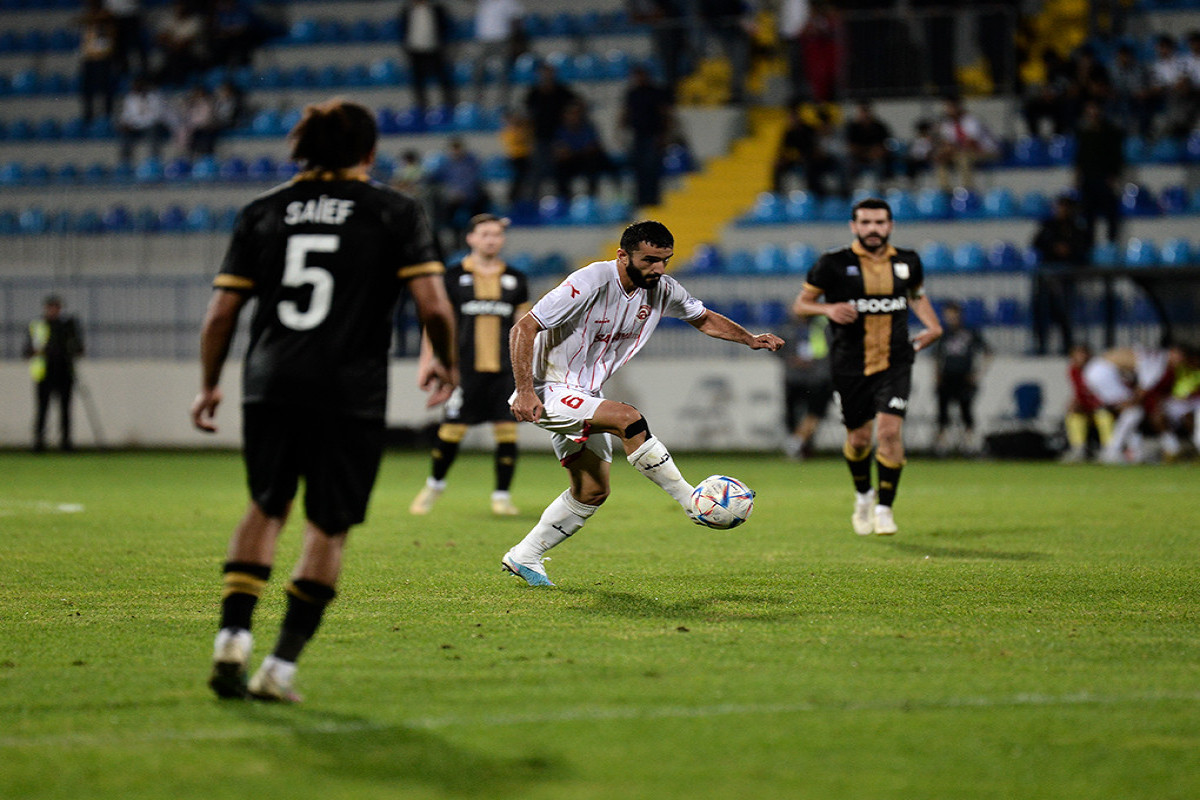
<point>592,326</point>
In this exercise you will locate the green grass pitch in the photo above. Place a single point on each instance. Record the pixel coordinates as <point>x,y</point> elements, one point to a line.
<point>1033,632</point>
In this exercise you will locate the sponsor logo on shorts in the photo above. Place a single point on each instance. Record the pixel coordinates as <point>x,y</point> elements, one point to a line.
<point>898,403</point>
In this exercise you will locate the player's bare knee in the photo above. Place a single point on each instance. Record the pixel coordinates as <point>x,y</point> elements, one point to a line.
<point>591,497</point>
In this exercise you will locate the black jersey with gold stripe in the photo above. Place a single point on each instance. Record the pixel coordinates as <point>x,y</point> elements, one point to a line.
<point>325,257</point>
<point>486,307</point>
<point>880,287</point>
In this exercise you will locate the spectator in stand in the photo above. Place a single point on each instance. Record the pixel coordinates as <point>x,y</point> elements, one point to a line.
<point>1133,109</point>
<point>412,178</point>
<point>794,16</point>
<point>732,23</point>
<point>229,106</point>
<point>500,32</point>
<point>196,122</point>
<point>667,20</point>
<point>181,43</point>
<point>1084,411</point>
<point>97,60</point>
<point>822,42</point>
<point>1191,59</point>
<point>130,40</point>
<point>546,102</point>
<point>143,115</point>
<point>867,145</point>
<point>1090,81</point>
<point>1099,164</point>
<point>460,194</point>
<point>1166,70</point>
<point>804,149</point>
<point>807,384</point>
<point>964,143</point>
<point>1046,101</point>
<point>425,28</point>
<point>918,156</point>
<point>233,33</point>
<point>516,137</point>
<point>1179,110</point>
<point>962,356</point>
<point>578,152</point>
<point>1062,245</point>
<point>648,115</point>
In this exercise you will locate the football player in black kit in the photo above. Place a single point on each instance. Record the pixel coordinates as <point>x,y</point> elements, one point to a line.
<point>324,256</point>
<point>488,297</point>
<point>867,290</point>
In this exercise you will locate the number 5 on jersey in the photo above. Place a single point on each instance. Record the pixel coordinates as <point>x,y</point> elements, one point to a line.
<point>297,272</point>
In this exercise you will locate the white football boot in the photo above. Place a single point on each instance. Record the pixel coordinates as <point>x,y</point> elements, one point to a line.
<point>231,655</point>
<point>885,523</point>
<point>273,681</point>
<point>864,513</point>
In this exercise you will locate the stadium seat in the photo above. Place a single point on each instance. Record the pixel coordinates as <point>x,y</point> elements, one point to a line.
<point>933,204</point>
<point>32,221</point>
<point>768,210</point>
<point>117,219</point>
<point>263,168</point>
<point>88,222</point>
<point>233,168</point>
<point>1030,151</point>
<point>1035,205</point>
<point>1138,201</point>
<point>801,257</point>
<point>800,207</point>
<point>770,259</point>
<point>965,204</point>
<point>1027,397</point>
<point>969,257</point>
<point>1141,253</point>
<point>67,173</point>
<point>200,219</point>
<point>974,312</point>
<point>936,257</point>
<point>1061,150</point>
<point>205,169</point>
<point>148,170</point>
<point>1173,200</point>
<point>384,72</point>
<point>739,262</point>
<point>12,174</point>
<point>1166,151</point>
<point>173,219</point>
<point>772,313</point>
<point>1011,312</point>
<point>582,210</point>
<point>1004,257</point>
<point>833,209</point>
<point>904,205</point>
<point>1176,252</point>
<point>999,203</point>
<point>706,261</point>
<point>1106,254</point>
<point>552,210</point>
<point>177,169</point>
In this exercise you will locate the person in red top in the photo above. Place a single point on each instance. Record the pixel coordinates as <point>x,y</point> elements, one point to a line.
<point>1084,410</point>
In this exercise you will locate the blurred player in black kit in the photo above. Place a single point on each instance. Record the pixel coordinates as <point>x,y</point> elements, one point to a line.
<point>488,297</point>
<point>325,256</point>
<point>868,290</point>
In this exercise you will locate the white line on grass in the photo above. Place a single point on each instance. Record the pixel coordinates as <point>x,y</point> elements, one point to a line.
<point>589,714</point>
<point>10,508</point>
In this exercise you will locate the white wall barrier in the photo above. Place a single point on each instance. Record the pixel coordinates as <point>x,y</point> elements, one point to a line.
<point>693,404</point>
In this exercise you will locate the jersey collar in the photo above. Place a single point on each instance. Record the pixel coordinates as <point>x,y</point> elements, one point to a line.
<point>862,252</point>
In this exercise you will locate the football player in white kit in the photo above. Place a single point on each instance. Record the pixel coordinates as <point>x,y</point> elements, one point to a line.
<point>564,350</point>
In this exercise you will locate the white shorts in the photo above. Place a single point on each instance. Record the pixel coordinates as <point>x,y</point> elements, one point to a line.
<point>1104,379</point>
<point>1177,409</point>
<point>565,413</point>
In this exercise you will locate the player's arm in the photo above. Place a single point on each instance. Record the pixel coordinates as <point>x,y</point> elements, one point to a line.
<point>925,312</point>
<point>440,373</point>
<point>720,326</point>
<point>216,334</point>
<point>526,405</point>
<point>808,304</point>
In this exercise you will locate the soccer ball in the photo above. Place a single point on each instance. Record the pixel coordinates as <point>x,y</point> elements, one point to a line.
<point>722,502</point>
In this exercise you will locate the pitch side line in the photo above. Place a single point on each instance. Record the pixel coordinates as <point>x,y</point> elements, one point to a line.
<point>595,715</point>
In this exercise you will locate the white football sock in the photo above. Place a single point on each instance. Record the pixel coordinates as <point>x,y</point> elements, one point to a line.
<point>1127,423</point>
<point>653,461</point>
<point>561,519</point>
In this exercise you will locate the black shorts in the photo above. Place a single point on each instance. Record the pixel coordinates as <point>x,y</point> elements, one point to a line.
<point>481,397</point>
<point>337,455</point>
<point>864,396</point>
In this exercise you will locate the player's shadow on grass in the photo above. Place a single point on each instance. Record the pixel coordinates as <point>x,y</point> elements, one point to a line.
<point>720,607</point>
<point>933,551</point>
<point>393,755</point>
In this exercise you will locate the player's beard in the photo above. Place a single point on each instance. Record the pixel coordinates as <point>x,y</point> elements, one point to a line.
<point>873,248</point>
<point>640,280</point>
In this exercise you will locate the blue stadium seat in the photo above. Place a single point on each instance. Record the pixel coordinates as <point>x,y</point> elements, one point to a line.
<point>552,210</point>
<point>678,160</point>
<point>1004,257</point>
<point>768,209</point>
<point>933,204</point>
<point>10,224</point>
<point>117,219</point>
<point>551,264</point>
<point>903,203</point>
<point>974,312</point>
<point>1173,200</point>
<point>467,117</point>
<point>770,259</point>
<point>936,257</point>
<point>1011,311</point>
<point>965,204</point>
<point>101,128</point>
<point>772,313</point>
<point>1135,149</point>
<point>177,169</point>
<point>1141,253</point>
<point>88,222</point>
<point>616,65</point>
<point>264,168</point>
<point>66,173</point>
<point>205,169</point>
<point>384,72</point>
<point>173,219</point>
<point>1061,150</point>
<point>200,219</point>
<point>233,169</point>
<point>1030,151</point>
<point>439,119</point>
<point>48,130</point>
<point>616,211</point>
<point>32,221</point>
<point>582,210</point>
<point>706,261</point>
<point>999,203</point>
<point>227,219</point>
<point>969,257</point>
<point>1166,151</point>
<point>1138,201</point>
<point>1035,205</point>
<point>74,128</point>
<point>329,76</point>
<point>739,262</point>
<point>96,172</point>
<point>148,170</point>
<point>801,257</point>
<point>1177,252</point>
<point>358,76</point>
<point>363,30</point>
<point>12,173</point>
<point>800,207</point>
<point>1106,254</point>
<point>833,209</point>
<point>524,71</point>
<point>303,31</point>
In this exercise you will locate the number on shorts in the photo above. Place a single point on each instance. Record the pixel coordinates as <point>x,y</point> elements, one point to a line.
<point>572,401</point>
<point>297,272</point>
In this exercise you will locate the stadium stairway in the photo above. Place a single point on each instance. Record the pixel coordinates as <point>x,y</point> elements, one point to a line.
<point>704,203</point>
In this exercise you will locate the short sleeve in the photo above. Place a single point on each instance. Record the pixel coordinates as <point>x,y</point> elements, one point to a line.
<point>680,302</point>
<point>563,302</point>
<point>242,264</point>
<point>416,249</point>
<point>820,276</point>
